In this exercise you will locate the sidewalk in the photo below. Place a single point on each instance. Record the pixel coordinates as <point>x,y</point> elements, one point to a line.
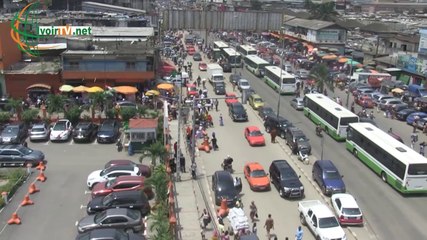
<point>189,202</point>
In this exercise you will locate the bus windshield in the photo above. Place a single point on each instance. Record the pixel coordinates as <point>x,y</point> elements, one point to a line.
<point>417,169</point>
<point>347,120</point>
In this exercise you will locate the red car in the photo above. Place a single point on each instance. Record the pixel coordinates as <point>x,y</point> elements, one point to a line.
<point>230,98</point>
<point>254,136</point>
<point>256,176</point>
<point>365,101</point>
<point>192,90</point>
<point>120,184</point>
<point>191,51</point>
<point>203,66</point>
<point>144,169</point>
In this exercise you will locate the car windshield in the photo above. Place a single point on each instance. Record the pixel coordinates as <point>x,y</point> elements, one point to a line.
<point>301,139</point>
<point>100,216</point>
<point>107,127</point>
<point>37,129</point>
<point>267,110</point>
<point>110,183</point>
<point>107,200</point>
<point>11,130</point>
<point>133,214</point>
<point>351,211</point>
<point>82,126</point>
<point>105,171</point>
<point>284,123</point>
<point>258,100</point>
<point>24,150</point>
<point>328,222</point>
<point>332,175</point>
<point>59,126</point>
<point>244,83</point>
<point>258,173</point>
<point>255,133</point>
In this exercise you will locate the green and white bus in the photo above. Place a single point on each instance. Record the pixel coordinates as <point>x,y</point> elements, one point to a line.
<point>246,50</point>
<point>397,164</point>
<point>280,80</point>
<point>232,57</point>
<point>256,65</point>
<point>331,116</point>
<point>220,45</point>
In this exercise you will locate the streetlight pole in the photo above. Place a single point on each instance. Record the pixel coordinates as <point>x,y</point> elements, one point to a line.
<point>178,150</point>
<point>235,33</point>
<point>281,70</point>
<point>322,141</point>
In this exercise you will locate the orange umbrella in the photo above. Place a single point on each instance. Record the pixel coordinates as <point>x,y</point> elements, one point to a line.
<point>342,60</point>
<point>165,86</point>
<point>80,89</point>
<point>126,89</point>
<point>330,57</point>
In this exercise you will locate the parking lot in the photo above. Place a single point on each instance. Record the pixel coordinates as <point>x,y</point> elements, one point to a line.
<point>63,197</point>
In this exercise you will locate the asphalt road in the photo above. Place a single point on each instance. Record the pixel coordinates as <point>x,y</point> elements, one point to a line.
<point>63,197</point>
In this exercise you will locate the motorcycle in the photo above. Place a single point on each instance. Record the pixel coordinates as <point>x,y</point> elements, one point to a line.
<point>319,131</point>
<point>303,156</point>
<point>227,167</point>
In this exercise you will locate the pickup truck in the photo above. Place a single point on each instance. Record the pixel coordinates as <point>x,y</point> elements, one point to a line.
<point>320,220</point>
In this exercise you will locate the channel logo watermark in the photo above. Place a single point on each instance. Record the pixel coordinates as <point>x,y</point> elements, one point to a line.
<point>64,30</point>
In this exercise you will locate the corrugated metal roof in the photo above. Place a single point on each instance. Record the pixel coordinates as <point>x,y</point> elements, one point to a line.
<point>309,24</point>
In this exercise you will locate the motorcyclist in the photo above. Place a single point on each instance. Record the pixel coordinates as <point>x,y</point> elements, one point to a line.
<point>227,163</point>
<point>303,154</point>
<point>318,129</point>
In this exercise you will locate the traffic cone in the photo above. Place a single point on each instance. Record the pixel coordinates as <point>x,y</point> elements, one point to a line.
<point>33,189</point>
<point>223,210</point>
<point>14,219</point>
<point>41,166</point>
<point>27,201</point>
<point>41,177</point>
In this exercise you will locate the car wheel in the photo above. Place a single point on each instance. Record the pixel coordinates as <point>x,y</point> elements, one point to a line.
<point>324,189</point>
<point>267,129</point>
<point>281,193</point>
<point>282,135</point>
<point>302,219</point>
<point>355,153</point>
<point>384,176</point>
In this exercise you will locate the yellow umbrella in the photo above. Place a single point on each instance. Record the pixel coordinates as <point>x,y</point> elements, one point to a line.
<point>66,88</point>
<point>342,60</point>
<point>397,90</point>
<point>94,89</point>
<point>165,86</point>
<point>126,89</point>
<point>330,57</point>
<point>152,93</point>
<point>80,89</point>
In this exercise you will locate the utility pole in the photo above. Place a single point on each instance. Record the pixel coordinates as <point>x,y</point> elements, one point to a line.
<point>178,150</point>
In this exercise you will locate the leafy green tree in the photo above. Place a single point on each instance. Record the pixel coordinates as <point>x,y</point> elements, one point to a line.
<point>155,151</point>
<point>320,73</point>
<point>127,113</point>
<point>256,5</point>
<point>160,223</point>
<point>97,100</point>
<point>16,106</point>
<point>55,103</point>
<point>29,115</point>
<point>323,11</point>
<point>5,117</point>
<point>73,114</point>
<point>159,181</point>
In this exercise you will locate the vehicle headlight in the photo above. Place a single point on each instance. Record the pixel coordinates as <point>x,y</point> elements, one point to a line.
<point>286,189</point>
<point>301,188</point>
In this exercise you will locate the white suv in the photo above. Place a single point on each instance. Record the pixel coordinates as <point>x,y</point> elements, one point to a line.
<point>111,173</point>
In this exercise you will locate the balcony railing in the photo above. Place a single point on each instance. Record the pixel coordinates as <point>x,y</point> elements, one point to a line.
<point>304,37</point>
<point>85,68</point>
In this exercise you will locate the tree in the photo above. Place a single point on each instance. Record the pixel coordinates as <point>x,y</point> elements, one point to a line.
<point>127,113</point>
<point>320,73</point>
<point>29,115</point>
<point>154,151</point>
<point>16,106</point>
<point>55,103</point>
<point>160,223</point>
<point>97,100</point>
<point>159,181</point>
<point>73,114</point>
<point>256,5</point>
<point>4,117</point>
<point>323,11</point>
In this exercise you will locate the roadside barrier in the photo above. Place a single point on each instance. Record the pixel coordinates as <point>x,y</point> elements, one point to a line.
<point>33,189</point>
<point>14,219</point>
<point>41,166</point>
<point>27,201</point>
<point>41,177</point>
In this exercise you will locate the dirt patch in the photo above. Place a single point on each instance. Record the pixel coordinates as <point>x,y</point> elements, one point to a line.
<point>3,182</point>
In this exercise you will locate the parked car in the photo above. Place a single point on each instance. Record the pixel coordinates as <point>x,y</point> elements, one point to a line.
<point>243,84</point>
<point>61,131</point>
<point>364,91</point>
<point>346,209</point>
<point>85,132</point>
<point>379,97</point>
<point>111,173</point>
<point>237,112</point>
<point>12,155</point>
<point>203,66</point>
<point>285,179</point>
<point>223,187</point>
<point>234,78</point>
<point>415,115</point>
<point>14,133</point>
<point>296,139</point>
<point>255,101</point>
<point>297,103</point>
<point>279,123</point>
<point>403,114</point>
<point>327,176</point>
<point>230,98</point>
<point>108,132</point>
<point>197,56</point>
<point>264,112</point>
<point>365,101</point>
<point>118,218</point>
<point>390,102</point>
<point>119,184</point>
<point>109,234</point>
<point>144,169</point>
<point>421,122</point>
<point>39,132</point>
<point>254,136</point>
<point>256,176</point>
<point>219,88</point>
<point>128,199</point>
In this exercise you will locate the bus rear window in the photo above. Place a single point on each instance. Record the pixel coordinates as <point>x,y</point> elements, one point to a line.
<point>347,120</point>
<point>417,169</point>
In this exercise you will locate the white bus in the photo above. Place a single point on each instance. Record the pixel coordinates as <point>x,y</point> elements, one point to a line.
<point>246,50</point>
<point>220,45</point>
<point>397,164</point>
<point>232,57</point>
<point>331,116</point>
<point>280,80</point>
<point>256,65</point>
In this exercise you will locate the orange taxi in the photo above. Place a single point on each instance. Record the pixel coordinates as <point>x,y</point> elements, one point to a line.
<point>254,136</point>
<point>257,178</point>
<point>230,98</point>
<point>366,101</point>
